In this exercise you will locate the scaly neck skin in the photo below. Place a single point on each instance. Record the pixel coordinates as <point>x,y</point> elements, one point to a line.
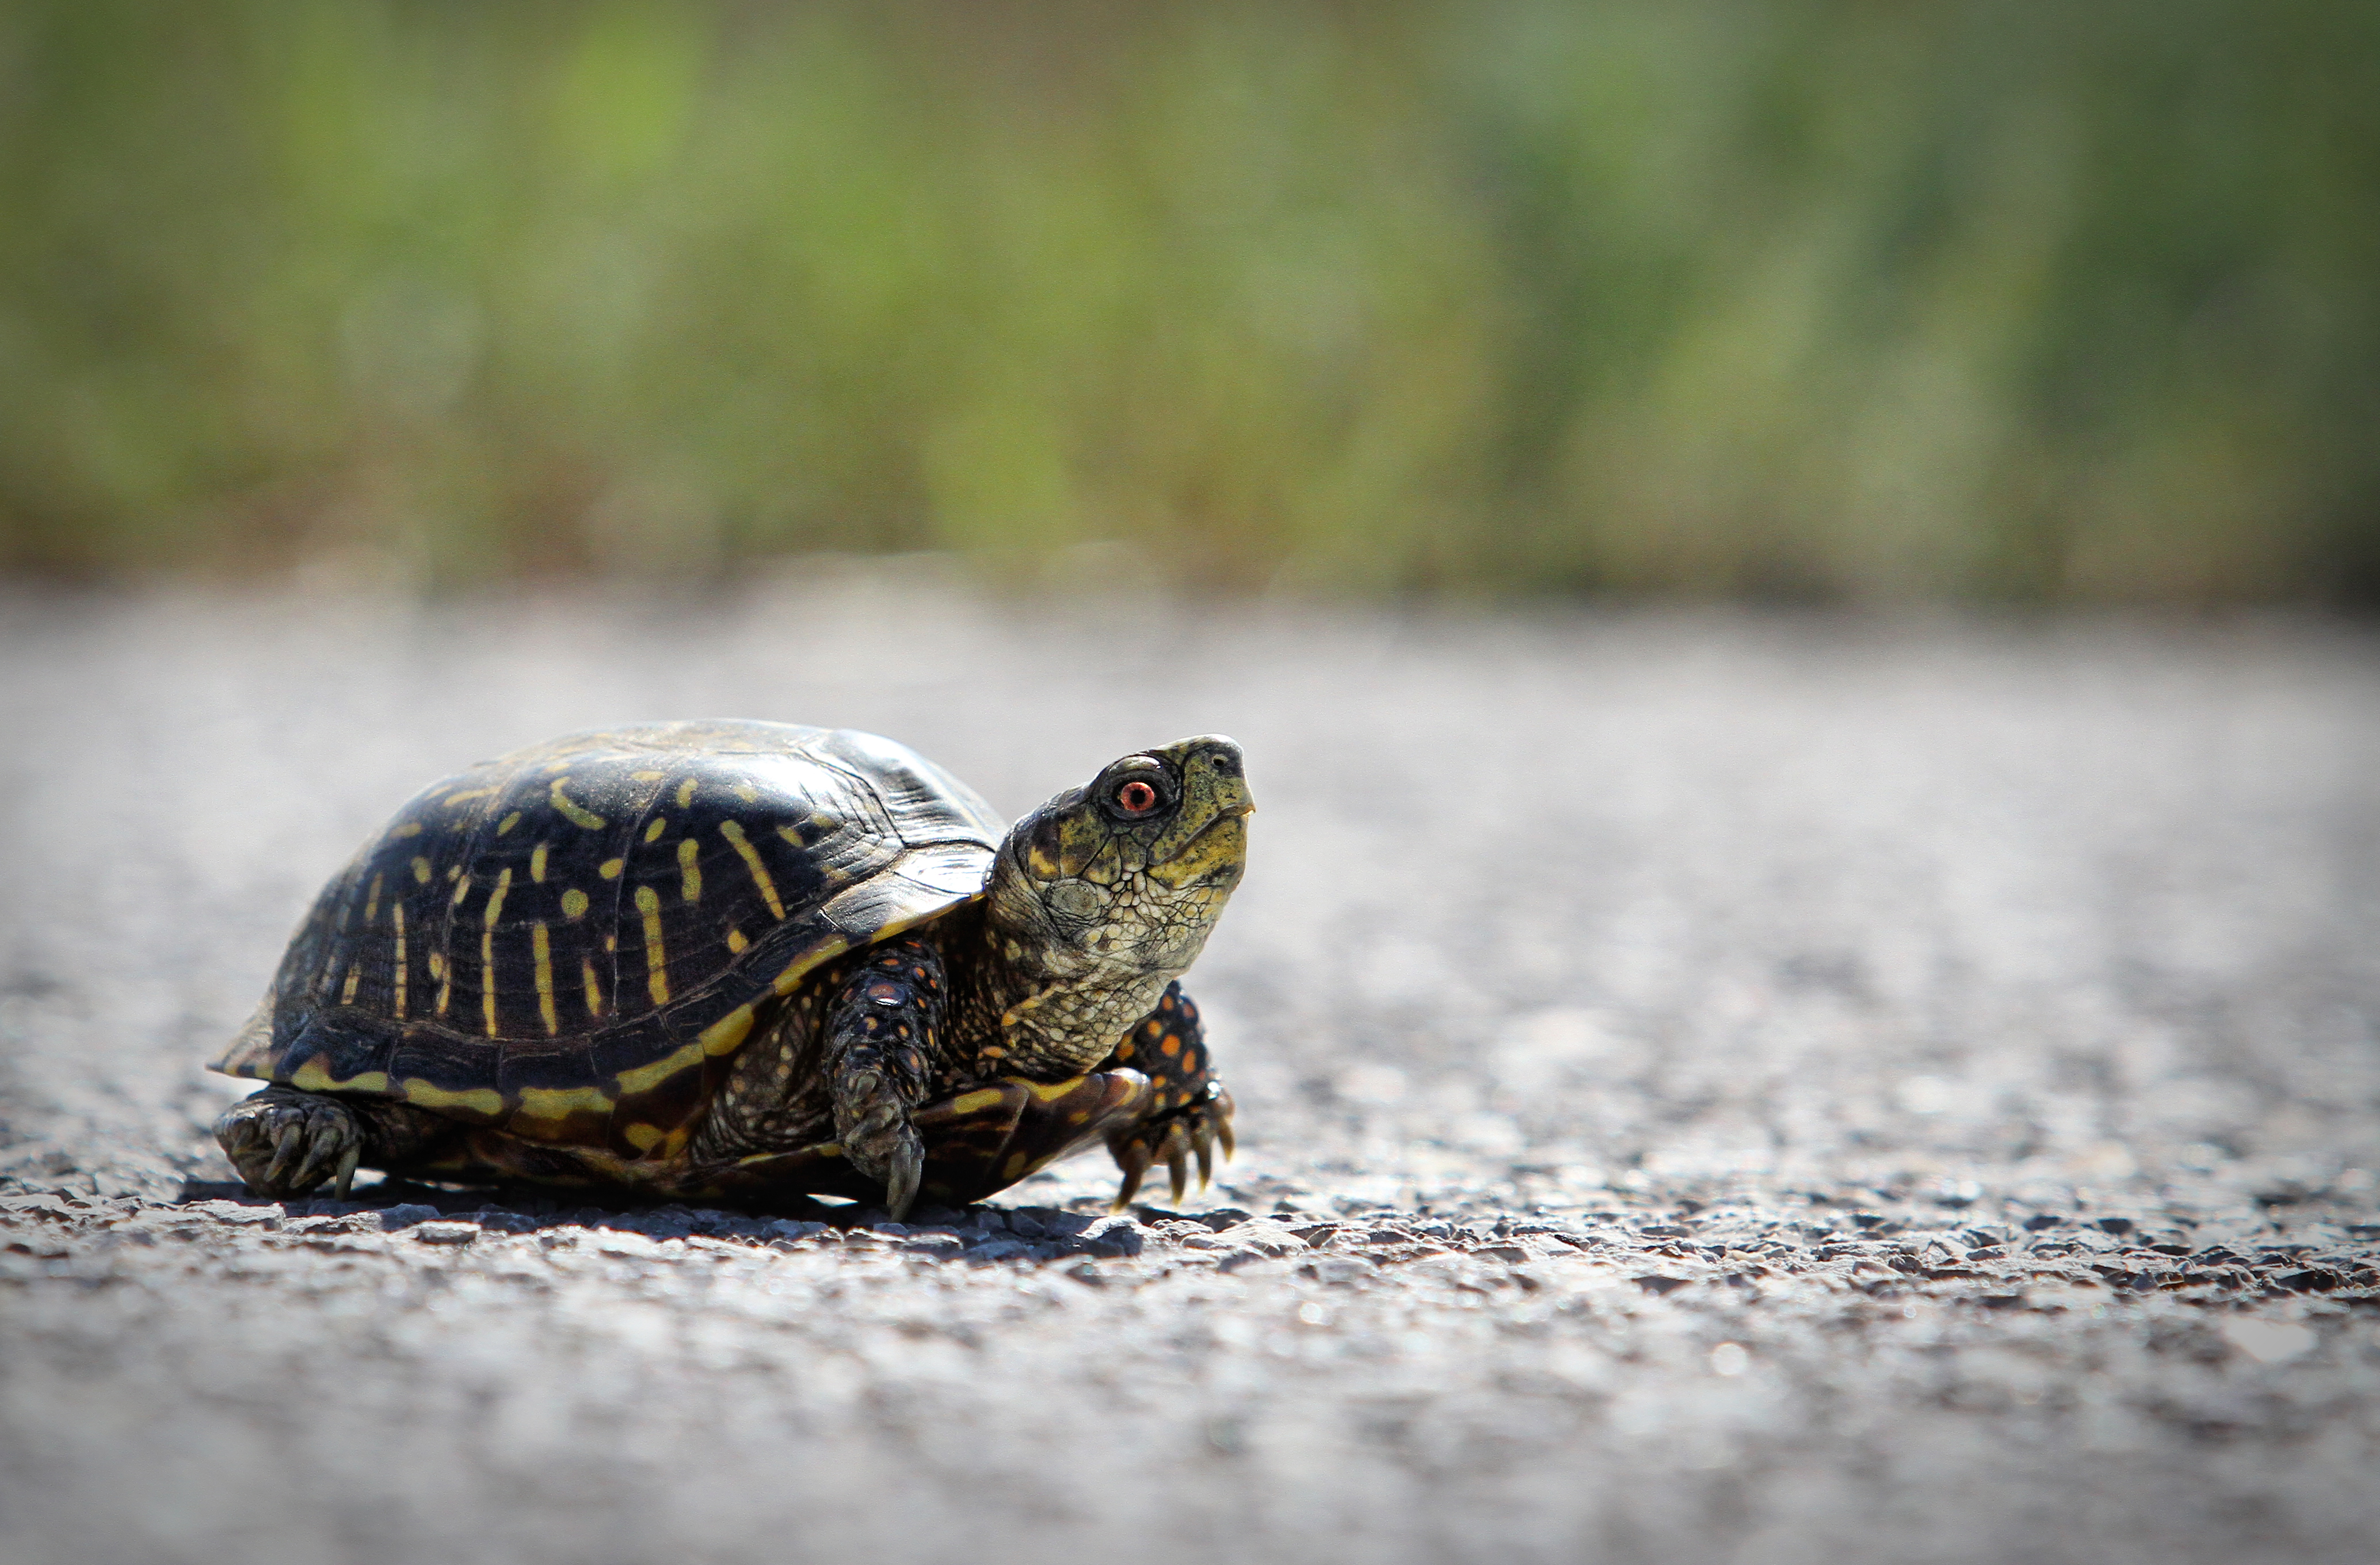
<point>1043,1010</point>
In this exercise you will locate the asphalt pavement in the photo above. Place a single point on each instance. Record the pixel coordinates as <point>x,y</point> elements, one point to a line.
<point>1713,1087</point>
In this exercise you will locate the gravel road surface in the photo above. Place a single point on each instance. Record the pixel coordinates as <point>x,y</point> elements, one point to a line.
<point>1712,1088</point>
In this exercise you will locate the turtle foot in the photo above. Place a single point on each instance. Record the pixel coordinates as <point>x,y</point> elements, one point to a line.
<point>1174,1137</point>
<point>882,1143</point>
<point>284,1142</point>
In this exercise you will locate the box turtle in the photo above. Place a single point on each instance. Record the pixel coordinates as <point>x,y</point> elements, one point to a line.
<point>740,961</point>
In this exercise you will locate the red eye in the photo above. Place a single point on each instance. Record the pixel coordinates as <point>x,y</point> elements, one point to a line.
<point>1135,798</point>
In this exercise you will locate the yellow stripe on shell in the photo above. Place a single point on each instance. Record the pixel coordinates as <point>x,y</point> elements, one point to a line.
<point>507,823</point>
<point>410,829</point>
<point>689,872</point>
<point>648,904</point>
<point>610,868</point>
<point>686,792</point>
<point>644,1078</point>
<point>396,917</point>
<point>541,947</point>
<point>733,831</point>
<point>655,827</point>
<point>314,1075</point>
<point>355,976</point>
<point>727,1034</point>
<point>488,948</point>
<point>421,869</point>
<point>561,1102</point>
<point>1049,1092</point>
<point>372,903</point>
<point>451,800</point>
<point>462,889</point>
<point>649,776</point>
<point>644,1138</point>
<point>446,976</point>
<point>594,989</point>
<point>482,1100</point>
<point>537,864</point>
<point>826,950</point>
<point>736,941</point>
<point>969,1102</point>
<point>571,810</point>
<point>574,903</point>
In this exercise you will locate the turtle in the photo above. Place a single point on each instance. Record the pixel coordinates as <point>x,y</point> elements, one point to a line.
<point>749,961</point>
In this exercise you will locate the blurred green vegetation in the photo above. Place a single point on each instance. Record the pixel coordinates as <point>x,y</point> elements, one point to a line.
<point>1854,299</point>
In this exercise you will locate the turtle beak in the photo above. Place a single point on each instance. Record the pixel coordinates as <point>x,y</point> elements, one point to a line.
<point>1215,799</point>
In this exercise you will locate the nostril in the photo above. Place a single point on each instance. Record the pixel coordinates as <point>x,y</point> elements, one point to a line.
<point>1225,763</point>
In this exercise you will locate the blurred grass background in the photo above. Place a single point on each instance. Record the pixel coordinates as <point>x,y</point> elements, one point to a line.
<point>1841,300</point>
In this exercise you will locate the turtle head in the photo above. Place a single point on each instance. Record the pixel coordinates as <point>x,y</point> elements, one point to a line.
<point>1130,872</point>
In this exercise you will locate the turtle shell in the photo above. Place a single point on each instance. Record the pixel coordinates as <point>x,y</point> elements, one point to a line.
<point>569,943</point>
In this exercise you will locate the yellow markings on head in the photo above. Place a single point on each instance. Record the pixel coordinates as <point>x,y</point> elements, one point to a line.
<point>610,868</point>
<point>485,1102</point>
<point>537,864</point>
<point>1049,1092</point>
<point>644,1078</point>
<point>410,829</point>
<point>736,941</point>
<point>507,823</point>
<point>594,989</point>
<point>974,1102</point>
<point>686,792</point>
<point>725,1035</point>
<point>826,950</point>
<point>649,903</point>
<point>574,903</point>
<point>462,889</point>
<point>372,903</point>
<point>355,976</point>
<point>649,776</point>
<point>571,810</point>
<point>396,917</point>
<point>542,948</point>
<point>653,829</point>
<point>421,870</point>
<point>314,1075</point>
<point>451,800</point>
<point>644,1138</point>
<point>689,872</point>
<point>733,831</point>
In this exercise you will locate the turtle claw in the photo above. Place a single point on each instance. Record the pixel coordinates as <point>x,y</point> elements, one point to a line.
<point>1132,1157</point>
<point>1177,1161</point>
<point>908,1168</point>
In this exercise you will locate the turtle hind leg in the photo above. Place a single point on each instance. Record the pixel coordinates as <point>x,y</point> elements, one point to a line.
<point>284,1142</point>
<point>1189,1113</point>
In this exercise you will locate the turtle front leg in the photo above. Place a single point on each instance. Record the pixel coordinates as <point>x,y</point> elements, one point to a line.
<point>1190,1112</point>
<point>283,1142</point>
<point>880,1048</point>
